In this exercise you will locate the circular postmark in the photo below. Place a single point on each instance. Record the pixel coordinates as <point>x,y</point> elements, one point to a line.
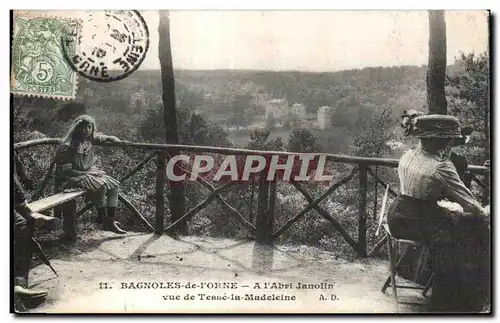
<point>108,46</point>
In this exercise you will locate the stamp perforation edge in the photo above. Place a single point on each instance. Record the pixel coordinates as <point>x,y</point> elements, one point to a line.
<point>33,14</point>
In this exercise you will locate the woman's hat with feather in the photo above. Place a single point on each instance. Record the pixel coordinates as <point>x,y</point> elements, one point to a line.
<point>434,126</point>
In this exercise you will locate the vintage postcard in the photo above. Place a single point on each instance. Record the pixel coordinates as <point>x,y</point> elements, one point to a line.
<point>250,162</point>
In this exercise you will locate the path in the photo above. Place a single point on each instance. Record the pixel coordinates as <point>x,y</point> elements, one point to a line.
<point>120,261</point>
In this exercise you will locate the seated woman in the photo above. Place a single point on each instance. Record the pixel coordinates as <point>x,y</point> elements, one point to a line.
<point>76,170</point>
<point>458,241</point>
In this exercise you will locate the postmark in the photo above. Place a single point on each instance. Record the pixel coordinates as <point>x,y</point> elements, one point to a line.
<point>112,45</point>
<point>38,65</point>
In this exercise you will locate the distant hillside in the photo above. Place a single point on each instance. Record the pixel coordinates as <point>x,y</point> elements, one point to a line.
<point>219,93</point>
<point>402,86</point>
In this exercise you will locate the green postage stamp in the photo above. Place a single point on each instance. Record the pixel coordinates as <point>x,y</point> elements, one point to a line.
<point>38,66</point>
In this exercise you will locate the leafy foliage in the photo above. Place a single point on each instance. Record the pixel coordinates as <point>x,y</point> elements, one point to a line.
<point>259,141</point>
<point>376,134</point>
<point>302,141</point>
<point>468,95</point>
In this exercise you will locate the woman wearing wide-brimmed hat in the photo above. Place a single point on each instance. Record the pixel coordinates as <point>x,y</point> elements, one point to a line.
<point>458,241</point>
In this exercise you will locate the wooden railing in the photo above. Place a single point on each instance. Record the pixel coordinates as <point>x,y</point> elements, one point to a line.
<point>264,229</point>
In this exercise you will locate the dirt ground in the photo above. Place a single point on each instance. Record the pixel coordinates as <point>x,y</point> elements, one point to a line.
<point>123,263</point>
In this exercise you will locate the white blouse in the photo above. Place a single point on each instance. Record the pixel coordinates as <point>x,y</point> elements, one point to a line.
<point>427,177</point>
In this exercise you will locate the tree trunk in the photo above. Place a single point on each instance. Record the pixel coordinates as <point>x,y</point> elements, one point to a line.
<point>436,71</point>
<point>176,192</point>
<point>363,191</point>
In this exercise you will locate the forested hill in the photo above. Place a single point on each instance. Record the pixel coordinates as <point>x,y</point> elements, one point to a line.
<point>402,86</point>
<point>215,92</point>
<point>236,97</point>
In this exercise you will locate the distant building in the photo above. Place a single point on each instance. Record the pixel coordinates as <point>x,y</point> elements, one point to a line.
<point>298,110</point>
<point>325,116</point>
<point>277,107</point>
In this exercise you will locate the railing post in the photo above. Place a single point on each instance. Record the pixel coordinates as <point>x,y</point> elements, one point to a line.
<point>272,208</point>
<point>363,187</point>
<point>160,198</point>
<point>263,232</point>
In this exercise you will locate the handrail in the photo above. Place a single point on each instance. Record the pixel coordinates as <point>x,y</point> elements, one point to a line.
<point>389,162</point>
<point>36,142</point>
<point>263,230</point>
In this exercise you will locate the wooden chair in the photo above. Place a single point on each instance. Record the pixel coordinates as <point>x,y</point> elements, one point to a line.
<point>394,260</point>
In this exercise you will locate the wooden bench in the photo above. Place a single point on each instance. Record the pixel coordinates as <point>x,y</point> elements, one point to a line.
<point>69,219</point>
<point>54,200</point>
<point>68,203</point>
<point>69,214</point>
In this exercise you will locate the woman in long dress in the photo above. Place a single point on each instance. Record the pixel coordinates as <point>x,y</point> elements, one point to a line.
<point>458,241</point>
<point>76,170</point>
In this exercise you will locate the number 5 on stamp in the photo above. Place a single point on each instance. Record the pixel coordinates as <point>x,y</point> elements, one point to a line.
<point>38,65</point>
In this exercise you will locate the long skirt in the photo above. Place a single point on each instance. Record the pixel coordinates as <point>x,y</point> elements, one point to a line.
<point>92,184</point>
<point>458,252</point>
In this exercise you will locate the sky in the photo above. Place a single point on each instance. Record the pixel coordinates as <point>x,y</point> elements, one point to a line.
<point>317,41</point>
